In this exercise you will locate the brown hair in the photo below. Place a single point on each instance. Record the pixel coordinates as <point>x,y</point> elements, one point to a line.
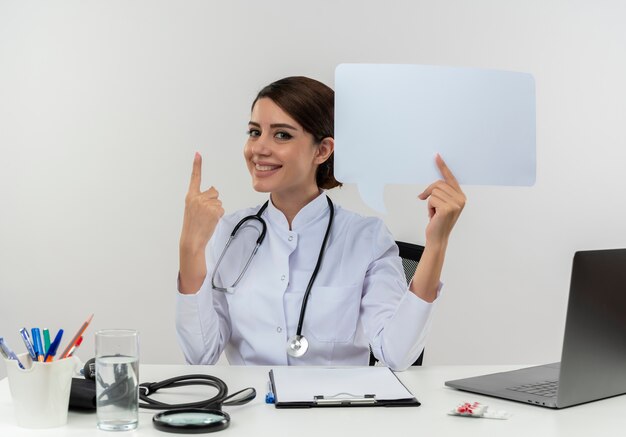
<point>312,105</point>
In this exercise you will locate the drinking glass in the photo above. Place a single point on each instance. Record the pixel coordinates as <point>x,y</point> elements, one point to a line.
<point>117,379</point>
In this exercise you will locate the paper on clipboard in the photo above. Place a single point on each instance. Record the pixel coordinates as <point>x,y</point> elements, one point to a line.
<point>302,385</point>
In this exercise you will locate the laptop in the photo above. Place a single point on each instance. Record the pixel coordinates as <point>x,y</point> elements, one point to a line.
<point>593,361</point>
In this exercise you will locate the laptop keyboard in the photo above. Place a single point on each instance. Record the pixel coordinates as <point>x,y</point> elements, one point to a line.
<point>544,388</point>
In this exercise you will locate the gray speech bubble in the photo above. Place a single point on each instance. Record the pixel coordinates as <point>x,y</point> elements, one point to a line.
<point>391,120</point>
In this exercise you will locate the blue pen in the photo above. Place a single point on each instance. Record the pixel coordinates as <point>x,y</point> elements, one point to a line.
<point>35,347</point>
<point>53,347</point>
<point>8,353</point>
<point>269,397</point>
<point>28,343</point>
<point>37,343</point>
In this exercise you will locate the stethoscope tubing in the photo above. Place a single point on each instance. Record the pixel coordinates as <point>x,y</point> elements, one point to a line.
<point>259,240</point>
<point>221,398</point>
<point>305,299</point>
<point>298,339</point>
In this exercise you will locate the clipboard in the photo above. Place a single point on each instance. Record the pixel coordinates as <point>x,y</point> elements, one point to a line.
<point>313,387</point>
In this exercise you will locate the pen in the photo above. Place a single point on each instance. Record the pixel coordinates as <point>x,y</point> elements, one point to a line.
<point>269,397</point>
<point>46,341</point>
<point>8,353</point>
<point>75,339</point>
<point>73,349</point>
<point>28,343</point>
<point>54,346</point>
<point>37,343</point>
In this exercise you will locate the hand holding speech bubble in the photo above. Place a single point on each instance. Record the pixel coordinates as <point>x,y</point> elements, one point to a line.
<point>391,121</point>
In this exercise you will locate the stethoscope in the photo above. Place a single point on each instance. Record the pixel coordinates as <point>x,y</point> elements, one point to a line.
<point>297,345</point>
<point>186,418</point>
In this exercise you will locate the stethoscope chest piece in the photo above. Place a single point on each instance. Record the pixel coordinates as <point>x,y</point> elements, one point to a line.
<point>191,421</point>
<point>297,346</point>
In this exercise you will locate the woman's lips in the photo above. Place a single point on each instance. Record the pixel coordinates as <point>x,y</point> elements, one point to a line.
<point>264,170</point>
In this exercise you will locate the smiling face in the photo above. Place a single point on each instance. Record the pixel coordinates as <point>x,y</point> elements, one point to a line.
<point>282,158</point>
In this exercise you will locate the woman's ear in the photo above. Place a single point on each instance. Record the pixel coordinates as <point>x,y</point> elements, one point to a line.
<point>325,148</point>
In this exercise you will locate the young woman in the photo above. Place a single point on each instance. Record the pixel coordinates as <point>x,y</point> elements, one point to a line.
<point>326,284</point>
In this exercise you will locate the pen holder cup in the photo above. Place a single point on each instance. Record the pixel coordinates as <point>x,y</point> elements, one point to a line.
<point>41,392</point>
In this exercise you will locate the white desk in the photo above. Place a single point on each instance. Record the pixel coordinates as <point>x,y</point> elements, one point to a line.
<point>258,419</point>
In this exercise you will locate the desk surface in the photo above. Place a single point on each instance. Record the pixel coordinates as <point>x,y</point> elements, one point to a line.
<point>427,383</point>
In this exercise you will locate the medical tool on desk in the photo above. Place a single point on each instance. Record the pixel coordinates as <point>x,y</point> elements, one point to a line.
<point>192,417</point>
<point>297,345</point>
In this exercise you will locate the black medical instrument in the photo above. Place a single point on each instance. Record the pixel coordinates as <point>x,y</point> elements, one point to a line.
<point>222,398</point>
<point>193,417</point>
<point>297,345</point>
<point>187,418</point>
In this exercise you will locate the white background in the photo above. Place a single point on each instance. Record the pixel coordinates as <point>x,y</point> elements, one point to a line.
<point>103,104</point>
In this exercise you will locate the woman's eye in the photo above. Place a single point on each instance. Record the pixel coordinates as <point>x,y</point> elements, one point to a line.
<point>253,133</point>
<point>283,135</point>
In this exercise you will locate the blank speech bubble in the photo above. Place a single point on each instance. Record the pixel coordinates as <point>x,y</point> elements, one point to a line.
<point>391,120</point>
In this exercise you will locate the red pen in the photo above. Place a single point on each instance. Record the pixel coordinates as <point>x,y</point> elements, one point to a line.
<point>76,337</point>
<point>73,349</point>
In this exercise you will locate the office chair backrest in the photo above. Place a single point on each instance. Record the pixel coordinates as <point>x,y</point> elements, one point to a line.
<point>411,255</point>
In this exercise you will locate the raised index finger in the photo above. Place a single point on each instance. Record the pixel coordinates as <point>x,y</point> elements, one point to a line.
<point>196,174</point>
<point>445,172</point>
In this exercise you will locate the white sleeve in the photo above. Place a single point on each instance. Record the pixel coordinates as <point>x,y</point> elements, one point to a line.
<point>203,320</point>
<point>396,320</point>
